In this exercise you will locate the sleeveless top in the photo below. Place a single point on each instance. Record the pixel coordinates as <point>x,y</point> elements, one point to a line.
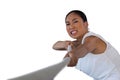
<point>104,66</point>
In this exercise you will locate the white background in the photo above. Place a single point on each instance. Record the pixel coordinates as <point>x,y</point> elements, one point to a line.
<point>29,28</point>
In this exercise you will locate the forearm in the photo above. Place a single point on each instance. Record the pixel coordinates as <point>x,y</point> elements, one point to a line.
<point>80,51</point>
<point>75,54</point>
<point>61,45</point>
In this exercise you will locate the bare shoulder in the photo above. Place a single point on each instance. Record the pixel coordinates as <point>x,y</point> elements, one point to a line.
<point>96,44</point>
<point>91,39</point>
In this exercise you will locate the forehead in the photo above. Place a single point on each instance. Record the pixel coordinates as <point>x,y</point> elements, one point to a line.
<point>73,16</point>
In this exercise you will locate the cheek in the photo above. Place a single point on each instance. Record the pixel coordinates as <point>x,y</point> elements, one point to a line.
<point>67,29</point>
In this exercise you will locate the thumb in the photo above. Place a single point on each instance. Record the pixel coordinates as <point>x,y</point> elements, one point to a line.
<point>67,55</point>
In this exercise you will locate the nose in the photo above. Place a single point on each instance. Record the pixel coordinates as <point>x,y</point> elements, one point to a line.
<point>72,26</point>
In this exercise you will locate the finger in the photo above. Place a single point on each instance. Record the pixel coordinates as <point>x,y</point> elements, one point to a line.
<point>73,61</point>
<point>67,55</point>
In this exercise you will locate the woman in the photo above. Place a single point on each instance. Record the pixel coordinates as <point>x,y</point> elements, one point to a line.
<point>90,52</point>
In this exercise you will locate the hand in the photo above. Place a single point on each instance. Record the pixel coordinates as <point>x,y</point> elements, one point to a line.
<point>73,60</point>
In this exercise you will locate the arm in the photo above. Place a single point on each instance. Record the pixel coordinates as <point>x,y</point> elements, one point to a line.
<point>90,45</point>
<point>61,45</point>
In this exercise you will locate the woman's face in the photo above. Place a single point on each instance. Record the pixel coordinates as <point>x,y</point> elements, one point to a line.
<point>75,26</point>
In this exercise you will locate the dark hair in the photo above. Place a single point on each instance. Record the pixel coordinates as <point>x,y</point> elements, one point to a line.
<point>79,13</point>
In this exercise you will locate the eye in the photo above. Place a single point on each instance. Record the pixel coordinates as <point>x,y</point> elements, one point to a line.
<point>75,21</point>
<point>67,23</point>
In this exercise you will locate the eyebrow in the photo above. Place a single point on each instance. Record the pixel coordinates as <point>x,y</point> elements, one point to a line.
<point>72,20</point>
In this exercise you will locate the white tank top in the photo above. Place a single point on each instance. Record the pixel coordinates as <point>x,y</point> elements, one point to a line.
<point>100,66</point>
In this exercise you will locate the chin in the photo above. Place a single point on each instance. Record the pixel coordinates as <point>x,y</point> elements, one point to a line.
<point>74,37</point>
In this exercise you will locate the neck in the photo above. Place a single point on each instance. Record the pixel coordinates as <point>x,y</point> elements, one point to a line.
<point>77,42</point>
<point>80,38</point>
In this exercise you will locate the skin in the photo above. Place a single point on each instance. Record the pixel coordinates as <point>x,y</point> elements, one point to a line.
<point>77,28</point>
<point>75,25</point>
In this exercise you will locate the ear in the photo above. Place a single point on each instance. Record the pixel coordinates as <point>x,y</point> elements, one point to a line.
<point>86,24</point>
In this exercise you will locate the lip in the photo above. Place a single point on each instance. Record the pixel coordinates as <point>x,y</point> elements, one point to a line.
<point>73,32</point>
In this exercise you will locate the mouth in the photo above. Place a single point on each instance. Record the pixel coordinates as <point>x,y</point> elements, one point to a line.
<point>73,32</point>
